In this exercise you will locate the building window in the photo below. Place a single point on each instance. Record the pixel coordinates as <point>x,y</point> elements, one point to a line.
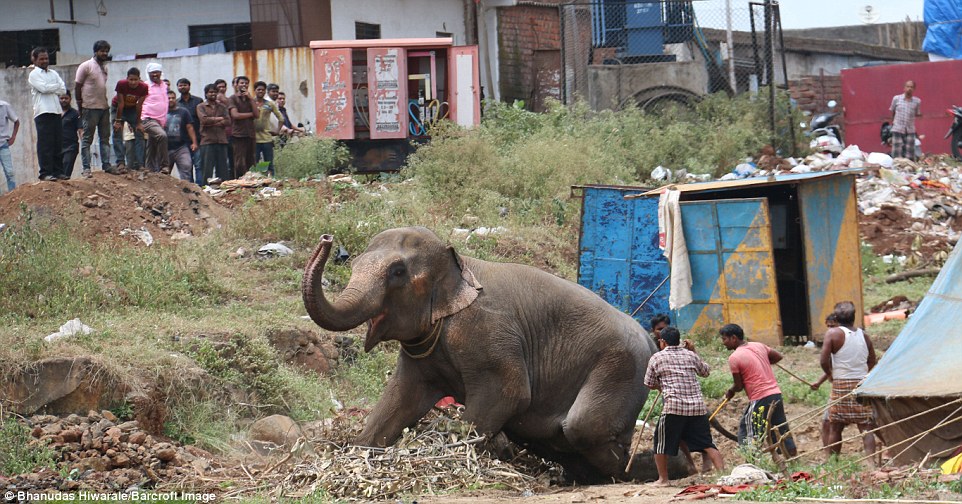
<point>365,31</point>
<point>236,36</point>
<point>15,46</point>
<point>444,35</point>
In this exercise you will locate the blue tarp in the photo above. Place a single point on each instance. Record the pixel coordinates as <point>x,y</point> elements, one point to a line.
<point>943,28</point>
<point>925,360</point>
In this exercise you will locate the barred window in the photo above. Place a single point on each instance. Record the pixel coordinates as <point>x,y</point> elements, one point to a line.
<point>236,36</point>
<point>365,31</point>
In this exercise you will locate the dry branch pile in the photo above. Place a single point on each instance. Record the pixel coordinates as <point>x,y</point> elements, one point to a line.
<point>440,455</point>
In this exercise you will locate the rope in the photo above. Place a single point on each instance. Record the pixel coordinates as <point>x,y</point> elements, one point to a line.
<point>436,334</point>
<point>644,423</point>
<point>649,296</point>
<point>860,434</point>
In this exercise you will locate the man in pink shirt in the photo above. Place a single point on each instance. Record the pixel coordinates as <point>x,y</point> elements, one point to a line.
<point>153,118</point>
<point>751,367</point>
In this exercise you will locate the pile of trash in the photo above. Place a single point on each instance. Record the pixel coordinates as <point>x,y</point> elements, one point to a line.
<point>910,211</point>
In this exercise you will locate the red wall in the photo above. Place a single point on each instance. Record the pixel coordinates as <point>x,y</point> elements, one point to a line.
<point>867,94</point>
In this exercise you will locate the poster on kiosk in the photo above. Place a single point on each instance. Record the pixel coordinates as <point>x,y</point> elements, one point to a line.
<point>335,93</point>
<point>387,89</point>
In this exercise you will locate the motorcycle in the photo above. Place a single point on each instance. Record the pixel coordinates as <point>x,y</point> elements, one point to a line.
<point>826,135</point>
<point>955,131</point>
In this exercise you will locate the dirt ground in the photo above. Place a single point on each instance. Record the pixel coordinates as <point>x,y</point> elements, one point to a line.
<point>102,207</point>
<point>892,230</point>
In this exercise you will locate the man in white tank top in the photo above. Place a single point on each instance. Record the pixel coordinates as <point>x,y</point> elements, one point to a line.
<point>847,356</point>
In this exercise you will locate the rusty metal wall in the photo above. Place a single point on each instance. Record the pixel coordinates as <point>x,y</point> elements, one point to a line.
<point>291,68</point>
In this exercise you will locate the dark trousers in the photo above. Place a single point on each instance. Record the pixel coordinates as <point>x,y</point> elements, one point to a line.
<point>70,158</point>
<point>265,152</point>
<point>120,152</point>
<point>213,160</point>
<point>243,155</point>
<point>49,144</point>
<point>98,119</point>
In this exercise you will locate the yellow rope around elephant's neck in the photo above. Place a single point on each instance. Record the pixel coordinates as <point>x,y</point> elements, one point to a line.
<point>435,335</point>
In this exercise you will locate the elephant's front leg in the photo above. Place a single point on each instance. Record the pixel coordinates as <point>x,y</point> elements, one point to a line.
<point>406,399</point>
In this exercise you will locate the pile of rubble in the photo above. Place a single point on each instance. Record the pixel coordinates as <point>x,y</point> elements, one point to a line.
<point>101,454</point>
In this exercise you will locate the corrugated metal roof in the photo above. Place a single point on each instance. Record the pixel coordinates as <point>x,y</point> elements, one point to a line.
<point>366,43</point>
<point>926,358</point>
<point>717,185</point>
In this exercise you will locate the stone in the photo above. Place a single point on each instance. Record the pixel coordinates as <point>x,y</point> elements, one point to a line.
<point>71,435</point>
<point>165,454</point>
<point>129,426</point>
<point>137,438</point>
<point>278,429</point>
<point>109,415</point>
<point>115,434</point>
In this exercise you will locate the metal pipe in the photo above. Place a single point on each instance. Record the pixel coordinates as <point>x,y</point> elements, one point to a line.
<point>781,43</point>
<point>731,46</point>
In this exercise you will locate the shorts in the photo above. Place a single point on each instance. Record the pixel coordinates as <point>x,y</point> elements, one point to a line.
<point>753,421</point>
<point>673,429</point>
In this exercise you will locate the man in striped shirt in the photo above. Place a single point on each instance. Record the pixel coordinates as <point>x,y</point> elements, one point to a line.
<point>674,371</point>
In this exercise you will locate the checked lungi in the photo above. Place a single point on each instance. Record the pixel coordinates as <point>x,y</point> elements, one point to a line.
<point>848,410</point>
<point>903,145</point>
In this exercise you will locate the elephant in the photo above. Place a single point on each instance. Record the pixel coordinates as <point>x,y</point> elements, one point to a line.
<point>541,359</point>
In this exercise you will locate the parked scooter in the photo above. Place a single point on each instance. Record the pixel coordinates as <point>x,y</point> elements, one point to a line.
<point>955,131</point>
<point>826,135</point>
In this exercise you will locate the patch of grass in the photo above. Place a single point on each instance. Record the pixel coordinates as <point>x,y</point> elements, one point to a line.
<point>45,271</point>
<point>361,383</point>
<point>203,422</point>
<point>311,156</point>
<point>20,453</point>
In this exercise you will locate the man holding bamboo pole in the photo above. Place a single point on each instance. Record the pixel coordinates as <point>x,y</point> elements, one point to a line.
<point>847,357</point>
<point>674,371</point>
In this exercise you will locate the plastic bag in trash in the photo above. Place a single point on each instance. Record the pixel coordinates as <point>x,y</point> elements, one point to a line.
<point>892,177</point>
<point>879,158</point>
<point>661,173</point>
<point>68,329</point>
<point>917,209</point>
<point>744,170</point>
<point>851,153</point>
<point>274,250</point>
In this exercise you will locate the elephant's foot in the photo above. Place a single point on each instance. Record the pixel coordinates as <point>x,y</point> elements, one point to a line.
<point>643,467</point>
<point>501,447</point>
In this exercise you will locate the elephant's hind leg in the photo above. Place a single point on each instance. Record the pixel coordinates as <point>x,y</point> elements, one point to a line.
<point>601,420</point>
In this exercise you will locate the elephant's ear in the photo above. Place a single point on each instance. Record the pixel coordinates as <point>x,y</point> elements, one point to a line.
<point>454,295</point>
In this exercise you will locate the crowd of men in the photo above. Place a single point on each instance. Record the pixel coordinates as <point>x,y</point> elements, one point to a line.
<point>151,126</point>
<point>846,358</point>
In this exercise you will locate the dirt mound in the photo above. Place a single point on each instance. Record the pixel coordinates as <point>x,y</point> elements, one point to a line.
<point>138,206</point>
<point>891,230</point>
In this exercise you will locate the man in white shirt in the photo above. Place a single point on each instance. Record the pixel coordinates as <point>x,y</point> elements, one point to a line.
<point>46,87</point>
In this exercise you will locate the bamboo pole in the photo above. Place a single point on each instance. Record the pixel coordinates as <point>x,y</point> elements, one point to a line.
<point>793,375</point>
<point>644,423</point>
<point>720,406</point>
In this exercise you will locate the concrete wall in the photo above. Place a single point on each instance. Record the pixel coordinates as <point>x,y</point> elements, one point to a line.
<point>131,26</point>
<point>905,35</point>
<point>399,18</point>
<point>291,69</point>
<point>613,86</point>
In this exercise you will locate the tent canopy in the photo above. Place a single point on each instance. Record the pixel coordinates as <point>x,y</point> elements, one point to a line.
<point>925,360</point>
<point>943,21</point>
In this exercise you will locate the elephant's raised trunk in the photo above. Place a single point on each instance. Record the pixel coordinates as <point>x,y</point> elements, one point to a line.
<point>348,312</point>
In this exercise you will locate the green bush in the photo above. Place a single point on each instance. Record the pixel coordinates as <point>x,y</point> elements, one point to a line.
<point>309,156</point>
<point>20,453</point>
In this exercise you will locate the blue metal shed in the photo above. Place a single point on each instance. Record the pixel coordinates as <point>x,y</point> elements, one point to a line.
<point>773,255</point>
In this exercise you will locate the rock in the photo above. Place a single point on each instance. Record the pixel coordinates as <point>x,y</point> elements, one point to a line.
<point>278,429</point>
<point>71,435</point>
<point>165,454</point>
<point>305,349</point>
<point>109,415</point>
<point>129,426</point>
<point>98,464</point>
<point>137,438</point>
<point>121,460</point>
<point>115,434</point>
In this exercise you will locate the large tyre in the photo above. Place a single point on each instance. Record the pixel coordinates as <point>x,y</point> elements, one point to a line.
<point>956,138</point>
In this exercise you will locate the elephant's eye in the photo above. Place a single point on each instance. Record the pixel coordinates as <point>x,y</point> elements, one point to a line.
<point>397,270</point>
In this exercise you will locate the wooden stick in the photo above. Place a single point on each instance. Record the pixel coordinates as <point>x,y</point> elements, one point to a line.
<point>720,406</point>
<point>644,423</point>
<point>905,275</point>
<point>793,375</point>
